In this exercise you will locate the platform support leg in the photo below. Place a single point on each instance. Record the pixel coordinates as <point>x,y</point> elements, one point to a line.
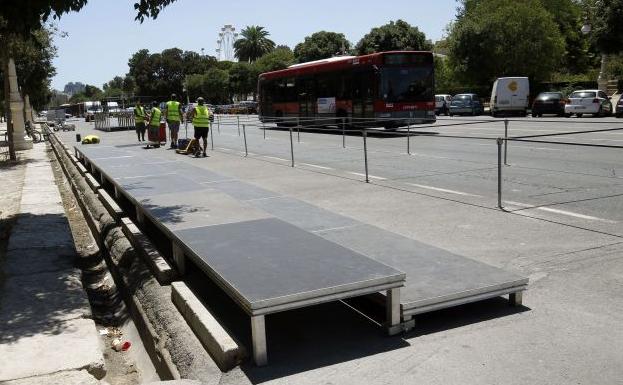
<point>140,217</point>
<point>393,312</point>
<point>516,299</point>
<point>117,193</point>
<point>178,258</point>
<point>258,334</point>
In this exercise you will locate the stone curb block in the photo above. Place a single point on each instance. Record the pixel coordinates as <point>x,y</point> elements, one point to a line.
<point>93,183</point>
<point>113,208</point>
<point>163,271</point>
<point>83,171</point>
<point>221,346</point>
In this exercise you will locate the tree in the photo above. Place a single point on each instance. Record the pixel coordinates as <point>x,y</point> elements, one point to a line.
<point>321,45</point>
<point>253,44</point>
<point>243,79</point>
<point>116,82</point>
<point>608,25</point>
<point>398,35</point>
<point>276,60</point>
<point>212,86</point>
<point>497,38</point>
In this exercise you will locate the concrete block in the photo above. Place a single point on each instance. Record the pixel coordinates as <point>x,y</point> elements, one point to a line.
<point>225,351</point>
<point>159,266</point>
<point>73,159</point>
<point>81,169</point>
<point>75,346</point>
<point>113,208</point>
<point>176,382</point>
<point>77,377</point>
<point>92,182</point>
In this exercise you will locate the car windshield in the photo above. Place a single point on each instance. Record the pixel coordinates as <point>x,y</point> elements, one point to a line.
<point>412,84</point>
<point>439,98</point>
<point>549,95</point>
<point>583,94</point>
<point>462,97</point>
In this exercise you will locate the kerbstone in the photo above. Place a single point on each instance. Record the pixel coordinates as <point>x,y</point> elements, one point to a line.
<point>73,377</point>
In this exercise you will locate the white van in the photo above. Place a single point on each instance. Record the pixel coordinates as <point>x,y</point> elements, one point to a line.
<point>510,95</point>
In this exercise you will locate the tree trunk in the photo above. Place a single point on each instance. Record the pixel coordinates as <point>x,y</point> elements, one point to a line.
<point>7,106</point>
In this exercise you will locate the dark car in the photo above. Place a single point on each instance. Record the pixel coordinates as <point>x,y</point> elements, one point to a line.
<point>468,104</point>
<point>619,110</point>
<point>548,103</point>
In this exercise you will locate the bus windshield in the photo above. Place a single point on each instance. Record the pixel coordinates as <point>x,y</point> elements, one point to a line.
<point>406,84</point>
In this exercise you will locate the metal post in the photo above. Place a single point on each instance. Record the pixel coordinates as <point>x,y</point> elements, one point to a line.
<point>365,151</point>
<point>343,132</point>
<point>218,123</point>
<point>264,129</point>
<point>408,138</point>
<point>244,132</point>
<point>499,143</point>
<point>211,137</point>
<point>291,147</point>
<point>505,140</point>
<point>298,130</point>
<point>238,122</point>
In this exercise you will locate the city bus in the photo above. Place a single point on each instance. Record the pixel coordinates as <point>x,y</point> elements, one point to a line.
<point>389,89</point>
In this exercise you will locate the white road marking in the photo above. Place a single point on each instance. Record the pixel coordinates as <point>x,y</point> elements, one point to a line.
<point>443,190</point>
<point>561,212</point>
<point>115,157</point>
<point>369,176</point>
<point>316,166</point>
<point>274,157</point>
<point>224,149</point>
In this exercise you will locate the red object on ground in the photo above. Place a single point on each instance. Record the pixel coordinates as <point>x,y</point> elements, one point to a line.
<point>125,346</point>
<point>162,135</point>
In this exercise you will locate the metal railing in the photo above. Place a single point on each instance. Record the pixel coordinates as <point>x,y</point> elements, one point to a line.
<point>119,121</point>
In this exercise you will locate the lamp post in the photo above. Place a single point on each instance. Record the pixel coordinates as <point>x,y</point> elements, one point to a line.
<point>602,82</point>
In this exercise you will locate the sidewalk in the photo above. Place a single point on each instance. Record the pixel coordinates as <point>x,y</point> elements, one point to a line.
<point>46,333</point>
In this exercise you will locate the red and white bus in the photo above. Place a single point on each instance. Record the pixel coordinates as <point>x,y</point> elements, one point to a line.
<point>387,89</point>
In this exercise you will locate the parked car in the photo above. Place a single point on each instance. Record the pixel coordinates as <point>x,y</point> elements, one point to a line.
<point>510,96</point>
<point>466,104</point>
<point>548,103</point>
<point>594,102</point>
<point>442,104</point>
<point>619,110</point>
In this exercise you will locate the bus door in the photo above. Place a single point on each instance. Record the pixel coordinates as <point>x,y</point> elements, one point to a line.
<point>306,97</point>
<point>363,96</point>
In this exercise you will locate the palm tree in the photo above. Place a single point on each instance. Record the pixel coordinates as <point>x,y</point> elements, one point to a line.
<point>253,44</point>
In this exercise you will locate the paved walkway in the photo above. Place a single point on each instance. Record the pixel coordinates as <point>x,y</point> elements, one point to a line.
<point>46,333</point>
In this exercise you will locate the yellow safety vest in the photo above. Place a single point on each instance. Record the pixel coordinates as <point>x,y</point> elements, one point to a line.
<point>173,111</point>
<point>202,117</point>
<point>155,116</point>
<point>139,114</point>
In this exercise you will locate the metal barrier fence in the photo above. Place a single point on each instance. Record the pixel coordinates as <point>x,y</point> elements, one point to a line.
<point>119,121</point>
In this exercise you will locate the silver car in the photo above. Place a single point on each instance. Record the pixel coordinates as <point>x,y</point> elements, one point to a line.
<point>594,102</point>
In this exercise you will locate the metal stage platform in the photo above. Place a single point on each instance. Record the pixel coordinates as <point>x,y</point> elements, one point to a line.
<point>272,253</point>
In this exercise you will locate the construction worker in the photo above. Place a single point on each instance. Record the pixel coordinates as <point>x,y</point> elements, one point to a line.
<point>154,125</point>
<point>201,122</point>
<point>139,119</point>
<point>173,116</point>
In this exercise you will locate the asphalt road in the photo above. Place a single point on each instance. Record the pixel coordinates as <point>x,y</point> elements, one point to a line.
<point>562,228</point>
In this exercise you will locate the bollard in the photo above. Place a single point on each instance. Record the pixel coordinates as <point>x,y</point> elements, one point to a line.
<point>264,129</point>
<point>499,143</point>
<point>409,138</point>
<point>238,122</point>
<point>343,132</point>
<point>365,152</point>
<point>211,137</point>
<point>78,138</point>
<point>505,140</point>
<point>291,147</point>
<point>298,130</point>
<point>244,132</point>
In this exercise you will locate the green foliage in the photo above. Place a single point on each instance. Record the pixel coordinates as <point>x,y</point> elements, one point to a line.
<point>607,25</point>
<point>321,45</point>
<point>276,60</point>
<point>212,86</point>
<point>243,79</point>
<point>394,36</point>
<point>494,38</point>
<point>253,44</point>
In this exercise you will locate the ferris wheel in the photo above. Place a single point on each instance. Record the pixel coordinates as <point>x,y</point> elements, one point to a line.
<point>225,42</point>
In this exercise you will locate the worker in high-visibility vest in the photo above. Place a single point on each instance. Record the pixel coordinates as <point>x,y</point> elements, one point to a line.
<point>139,120</point>
<point>201,122</point>
<point>154,124</point>
<point>173,116</point>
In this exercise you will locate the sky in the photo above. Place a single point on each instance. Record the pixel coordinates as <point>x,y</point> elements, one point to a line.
<point>103,35</point>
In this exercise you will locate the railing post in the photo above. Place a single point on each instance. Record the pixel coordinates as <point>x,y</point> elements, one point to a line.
<point>291,147</point>
<point>238,122</point>
<point>365,151</point>
<point>505,141</point>
<point>409,138</point>
<point>343,132</point>
<point>244,132</point>
<point>211,136</point>
<point>298,130</point>
<point>264,129</point>
<point>218,123</point>
<point>499,143</point>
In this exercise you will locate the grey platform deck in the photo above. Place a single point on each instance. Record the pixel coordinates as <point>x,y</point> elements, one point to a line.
<point>291,242</point>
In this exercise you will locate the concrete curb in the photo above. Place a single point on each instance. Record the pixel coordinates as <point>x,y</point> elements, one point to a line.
<point>222,347</point>
<point>113,208</point>
<point>159,266</point>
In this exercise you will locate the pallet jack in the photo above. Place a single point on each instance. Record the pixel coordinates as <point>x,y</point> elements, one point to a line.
<point>188,146</point>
